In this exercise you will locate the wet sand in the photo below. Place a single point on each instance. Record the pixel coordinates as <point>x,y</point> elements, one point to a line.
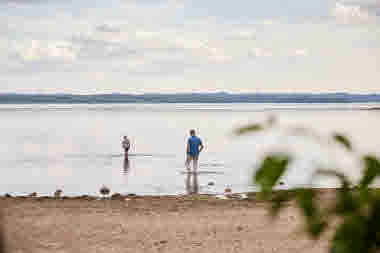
<point>195,223</point>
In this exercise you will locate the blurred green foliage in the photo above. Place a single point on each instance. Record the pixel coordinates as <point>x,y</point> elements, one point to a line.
<point>343,140</point>
<point>356,208</point>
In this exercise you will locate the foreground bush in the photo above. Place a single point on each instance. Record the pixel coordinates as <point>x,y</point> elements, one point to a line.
<point>357,207</point>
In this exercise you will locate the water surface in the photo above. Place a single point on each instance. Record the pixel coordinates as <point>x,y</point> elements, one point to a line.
<point>77,147</point>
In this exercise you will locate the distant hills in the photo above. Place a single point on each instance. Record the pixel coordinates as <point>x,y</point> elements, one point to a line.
<point>220,97</point>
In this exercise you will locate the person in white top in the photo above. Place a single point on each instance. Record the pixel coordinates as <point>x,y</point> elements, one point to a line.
<point>126,144</point>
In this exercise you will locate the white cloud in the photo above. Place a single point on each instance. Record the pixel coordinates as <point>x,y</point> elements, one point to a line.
<point>242,35</point>
<point>268,22</point>
<point>261,52</point>
<point>142,45</point>
<point>301,52</point>
<point>107,28</point>
<point>38,50</point>
<point>351,12</point>
<point>151,45</point>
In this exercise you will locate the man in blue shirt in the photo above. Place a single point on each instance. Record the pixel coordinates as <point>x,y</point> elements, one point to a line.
<point>194,147</point>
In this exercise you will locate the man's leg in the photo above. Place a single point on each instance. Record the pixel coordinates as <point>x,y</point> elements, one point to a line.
<point>195,164</point>
<point>188,183</point>
<point>126,154</point>
<point>126,158</point>
<point>195,183</point>
<point>187,163</point>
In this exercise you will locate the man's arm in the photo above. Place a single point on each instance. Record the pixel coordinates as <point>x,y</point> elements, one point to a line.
<point>201,147</point>
<point>187,147</point>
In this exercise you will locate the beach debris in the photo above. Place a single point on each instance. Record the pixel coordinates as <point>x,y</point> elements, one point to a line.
<point>58,193</point>
<point>104,190</point>
<point>211,183</point>
<point>158,243</point>
<point>116,196</point>
<point>232,196</point>
<point>222,196</point>
<point>239,228</point>
<point>228,190</point>
<point>33,194</point>
<point>243,195</point>
<point>7,195</point>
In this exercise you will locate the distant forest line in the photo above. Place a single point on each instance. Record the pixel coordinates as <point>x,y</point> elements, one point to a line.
<point>220,97</point>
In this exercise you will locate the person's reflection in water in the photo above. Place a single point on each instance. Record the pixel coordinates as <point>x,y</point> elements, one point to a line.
<point>192,186</point>
<point>126,166</point>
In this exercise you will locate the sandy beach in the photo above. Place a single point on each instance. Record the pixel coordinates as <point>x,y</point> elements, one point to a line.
<point>153,224</point>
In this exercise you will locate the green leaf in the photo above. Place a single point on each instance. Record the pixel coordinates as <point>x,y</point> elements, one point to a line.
<point>351,236</point>
<point>270,171</point>
<point>279,199</point>
<point>315,222</point>
<point>346,201</point>
<point>316,226</point>
<point>371,171</point>
<point>343,140</point>
<point>249,128</point>
<point>305,198</point>
<point>374,223</point>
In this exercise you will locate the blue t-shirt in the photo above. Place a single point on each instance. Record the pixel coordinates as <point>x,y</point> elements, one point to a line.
<point>194,143</point>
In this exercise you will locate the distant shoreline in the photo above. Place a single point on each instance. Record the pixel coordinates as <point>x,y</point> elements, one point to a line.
<point>210,98</point>
<point>251,195</point>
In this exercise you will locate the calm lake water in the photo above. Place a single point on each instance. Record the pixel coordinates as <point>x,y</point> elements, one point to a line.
<point>77,148</point>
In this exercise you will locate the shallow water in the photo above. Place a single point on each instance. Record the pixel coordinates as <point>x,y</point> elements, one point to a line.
<point>77,147</point>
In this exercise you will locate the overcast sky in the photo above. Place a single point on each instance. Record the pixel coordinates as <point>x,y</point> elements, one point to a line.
<point>135,46</point>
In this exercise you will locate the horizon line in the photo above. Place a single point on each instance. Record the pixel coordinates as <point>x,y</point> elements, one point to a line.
<point>188,93</point>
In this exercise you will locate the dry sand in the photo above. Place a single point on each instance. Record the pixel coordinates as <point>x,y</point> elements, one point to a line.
<point>152,224</point>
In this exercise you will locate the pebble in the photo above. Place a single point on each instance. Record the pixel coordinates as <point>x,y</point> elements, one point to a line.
<point>227,190</point>
<point>239,228</point>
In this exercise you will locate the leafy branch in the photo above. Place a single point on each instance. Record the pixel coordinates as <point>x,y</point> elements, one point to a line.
<point>356,207</point>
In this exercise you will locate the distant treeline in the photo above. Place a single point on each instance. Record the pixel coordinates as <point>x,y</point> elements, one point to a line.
<point>221,97</point>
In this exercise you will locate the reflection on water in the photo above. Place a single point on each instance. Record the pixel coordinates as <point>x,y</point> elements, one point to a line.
<point>126,166</point>
<point>192,186</point>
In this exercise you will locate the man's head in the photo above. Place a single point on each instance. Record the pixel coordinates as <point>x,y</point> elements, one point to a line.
<point>192,132</point>
<point>125,137</point>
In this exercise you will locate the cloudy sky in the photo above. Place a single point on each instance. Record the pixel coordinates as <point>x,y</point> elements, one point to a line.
<point>136,46</point>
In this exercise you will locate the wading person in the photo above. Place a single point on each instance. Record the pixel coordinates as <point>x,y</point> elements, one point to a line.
<point>193,148</point>
<point>126,144</point>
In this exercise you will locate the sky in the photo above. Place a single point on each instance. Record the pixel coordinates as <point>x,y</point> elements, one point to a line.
<point>167,46</point>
